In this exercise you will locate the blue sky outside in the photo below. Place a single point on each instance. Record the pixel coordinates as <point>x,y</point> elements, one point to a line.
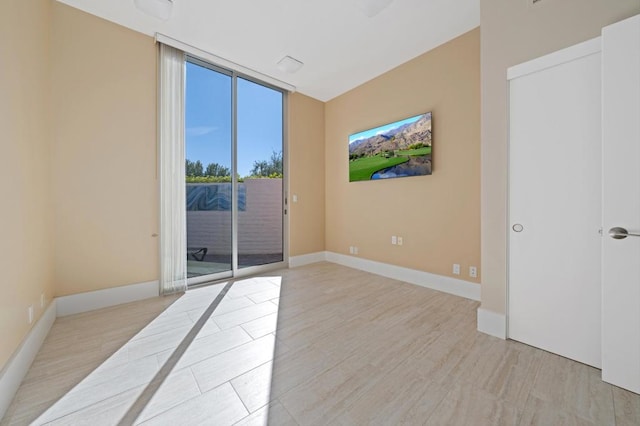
<point>382,129</point>
<point>259,124</point>
<point>208,119</point>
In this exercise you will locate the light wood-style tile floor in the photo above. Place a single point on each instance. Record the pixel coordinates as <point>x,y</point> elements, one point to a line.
<point>316,345</point>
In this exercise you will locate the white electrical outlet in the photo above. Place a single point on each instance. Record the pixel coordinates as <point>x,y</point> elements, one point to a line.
<point>473,272</point>
<point>295,198</point>
<point>355,250</point>
<point>399,241</point>
<point>42,300</point>
<point>30,313</point>
<point>394,240</point>
<point>456,269</point>
<point>351,249</point>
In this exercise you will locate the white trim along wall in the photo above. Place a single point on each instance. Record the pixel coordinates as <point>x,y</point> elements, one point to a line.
<point>18,366</point>
<point>92,300</point>
<point>449,285</point>
<point>492,323</point>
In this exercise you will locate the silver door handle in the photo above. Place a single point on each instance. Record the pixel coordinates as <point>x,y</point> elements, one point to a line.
<point>619,233</point>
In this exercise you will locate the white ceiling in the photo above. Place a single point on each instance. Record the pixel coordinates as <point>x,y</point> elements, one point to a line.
<point>339,45</point>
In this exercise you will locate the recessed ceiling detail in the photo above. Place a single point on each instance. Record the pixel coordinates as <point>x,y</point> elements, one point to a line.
<point>342,47</point>
<point>289,64</point>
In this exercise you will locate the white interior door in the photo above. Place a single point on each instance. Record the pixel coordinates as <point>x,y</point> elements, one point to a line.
<point>621,204</point>
<point>555,203</point>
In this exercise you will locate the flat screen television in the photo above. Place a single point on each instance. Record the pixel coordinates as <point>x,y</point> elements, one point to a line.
<point>398,149</point>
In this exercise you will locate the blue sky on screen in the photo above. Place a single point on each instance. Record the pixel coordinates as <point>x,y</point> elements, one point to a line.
<point>208,120</point>
<point>382,129</point>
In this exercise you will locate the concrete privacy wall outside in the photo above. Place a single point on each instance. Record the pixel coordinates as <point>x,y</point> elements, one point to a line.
<point>259,224</point>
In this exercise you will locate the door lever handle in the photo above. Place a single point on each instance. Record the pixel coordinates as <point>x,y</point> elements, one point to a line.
<point>619,233</point>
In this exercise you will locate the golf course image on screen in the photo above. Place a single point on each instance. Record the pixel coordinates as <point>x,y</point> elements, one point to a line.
<point>399,149</point>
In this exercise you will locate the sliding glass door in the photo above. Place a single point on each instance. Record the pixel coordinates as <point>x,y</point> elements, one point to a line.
<point>234,173</point>
<point>208,153</point>
<point>260,146</point>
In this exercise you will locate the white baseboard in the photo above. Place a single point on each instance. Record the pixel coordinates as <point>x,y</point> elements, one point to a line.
<point>306,259</point>
<point>89,301</point>
<point>492,323</point>
<point>449,285</point>
<point>18,365</point>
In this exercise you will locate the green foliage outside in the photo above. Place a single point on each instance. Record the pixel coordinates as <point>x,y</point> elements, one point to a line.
<point>215,173</point>
<point>210,179</point>
<point>268,168</point>
<point>194,168</point>
<point>216,169</point>
<point>364,168</point>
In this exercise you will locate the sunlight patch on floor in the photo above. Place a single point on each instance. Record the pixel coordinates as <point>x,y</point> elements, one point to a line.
<point>224,374</point>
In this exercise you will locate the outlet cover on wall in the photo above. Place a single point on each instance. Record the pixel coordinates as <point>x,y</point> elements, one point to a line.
<point>456,269</point>
<point>473,272</point>
<point>400,241</point>
<point>394,240</point>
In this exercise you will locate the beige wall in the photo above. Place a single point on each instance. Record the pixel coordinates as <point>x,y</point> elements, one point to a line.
<point>438,216</point>
<point>103,153</point>
<point>512,33</point>
<point>25,237</point>
<point>306,175</point>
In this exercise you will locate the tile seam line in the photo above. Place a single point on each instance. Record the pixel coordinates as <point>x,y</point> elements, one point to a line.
<point>240,374</point>
<point>86,406</point>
